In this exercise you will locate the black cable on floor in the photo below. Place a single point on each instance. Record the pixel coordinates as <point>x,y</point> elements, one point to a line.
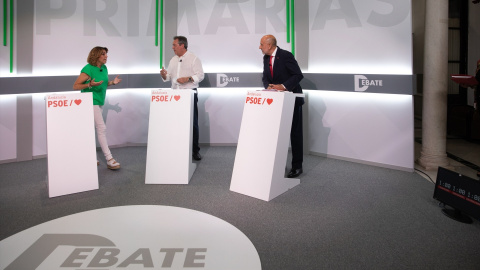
<point>426,175</point>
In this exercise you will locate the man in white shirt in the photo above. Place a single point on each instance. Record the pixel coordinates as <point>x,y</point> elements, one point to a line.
<point>186,72</point>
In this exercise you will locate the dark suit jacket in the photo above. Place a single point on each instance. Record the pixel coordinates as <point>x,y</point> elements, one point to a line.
<point>285,71</point>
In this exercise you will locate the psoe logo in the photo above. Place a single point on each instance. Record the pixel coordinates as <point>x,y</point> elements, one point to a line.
<point>362,83</point>
<point>223,80</point>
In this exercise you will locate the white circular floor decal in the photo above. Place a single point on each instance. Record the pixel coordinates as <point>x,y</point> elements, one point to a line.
<point>131,237</point>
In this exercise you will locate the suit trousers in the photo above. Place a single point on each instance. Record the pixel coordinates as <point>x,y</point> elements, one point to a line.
<point>195,146</point>
<point>296,137</point>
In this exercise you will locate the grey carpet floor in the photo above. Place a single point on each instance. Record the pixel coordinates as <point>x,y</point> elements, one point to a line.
<point>343,215</point>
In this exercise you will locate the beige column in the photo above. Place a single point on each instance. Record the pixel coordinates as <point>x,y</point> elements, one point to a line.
<point>434,114</point>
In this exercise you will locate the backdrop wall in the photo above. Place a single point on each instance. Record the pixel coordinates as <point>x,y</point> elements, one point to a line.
<point>357,59</point>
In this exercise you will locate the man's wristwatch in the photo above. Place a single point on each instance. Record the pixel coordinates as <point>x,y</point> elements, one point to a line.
<point>190,79</point>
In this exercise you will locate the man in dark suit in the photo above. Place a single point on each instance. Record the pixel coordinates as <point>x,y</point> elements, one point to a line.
<point>282,73</point>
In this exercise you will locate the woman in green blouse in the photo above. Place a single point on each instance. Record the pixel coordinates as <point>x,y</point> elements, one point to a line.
<point>94,78</point>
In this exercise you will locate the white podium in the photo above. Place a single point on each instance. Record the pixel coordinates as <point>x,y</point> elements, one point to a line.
<point>72,161</point>
<point>169,149</point>
<point>263,142</point>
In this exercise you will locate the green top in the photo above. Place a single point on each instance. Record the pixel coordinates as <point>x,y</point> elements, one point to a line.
<point>99,74</point>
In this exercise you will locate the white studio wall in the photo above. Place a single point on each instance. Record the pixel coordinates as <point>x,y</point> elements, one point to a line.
<point>127,28</point>
<point>361,127</point>
<point>126,113</point>
<point>365,37</point>
<point>220,114</point>
<point>4,51</point>
<point>226,34</point>
<point>331,39</point>
<point>8,127</point>
<point>365,127</point>
<point>368,37</point>
<point>4,60</point>
<point>39,125</point>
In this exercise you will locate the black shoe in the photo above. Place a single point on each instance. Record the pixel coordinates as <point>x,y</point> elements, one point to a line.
<point>294,173</point>
<point>197,156</point>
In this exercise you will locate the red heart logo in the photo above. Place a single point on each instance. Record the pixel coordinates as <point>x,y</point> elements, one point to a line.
<point>269,101</point>
<point>78,101</point>
<point>176,97</point>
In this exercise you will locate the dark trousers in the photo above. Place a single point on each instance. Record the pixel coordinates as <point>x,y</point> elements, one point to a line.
<point>296,137</point>
<point>195,146</point>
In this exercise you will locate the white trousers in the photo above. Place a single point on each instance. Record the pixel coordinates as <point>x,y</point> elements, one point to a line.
<point>101,131</point>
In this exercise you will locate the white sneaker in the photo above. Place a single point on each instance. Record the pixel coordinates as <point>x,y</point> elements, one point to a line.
<point>112,164</point>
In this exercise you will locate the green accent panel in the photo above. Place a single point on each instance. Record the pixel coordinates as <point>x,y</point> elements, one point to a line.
<point>11,36</point>
<point>4,22</point>
<point>287,5</point>
<point>161,33</point>
<point>156,22</point>
<point>293,26</point>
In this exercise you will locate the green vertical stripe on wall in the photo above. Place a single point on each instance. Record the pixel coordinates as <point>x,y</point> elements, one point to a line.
<point>156,22</point>
<point>11,36</point>
<point>287,5</point>
<point>161,33</point>
<point>292,8</point>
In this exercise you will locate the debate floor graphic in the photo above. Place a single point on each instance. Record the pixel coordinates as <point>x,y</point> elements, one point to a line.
<point>131,237</point>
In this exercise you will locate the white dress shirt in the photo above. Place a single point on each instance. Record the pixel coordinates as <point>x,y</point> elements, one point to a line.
<point>187,65</point>
<point>273,54</point>
<point>273,61</point>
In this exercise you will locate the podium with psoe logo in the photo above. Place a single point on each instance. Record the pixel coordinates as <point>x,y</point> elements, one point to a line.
<point>259,168</point>
<point>71,148</point>
<point>169,149</point>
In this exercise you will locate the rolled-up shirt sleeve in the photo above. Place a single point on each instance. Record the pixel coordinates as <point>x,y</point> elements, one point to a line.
<point>198,74</point>
<point>169,71</point>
